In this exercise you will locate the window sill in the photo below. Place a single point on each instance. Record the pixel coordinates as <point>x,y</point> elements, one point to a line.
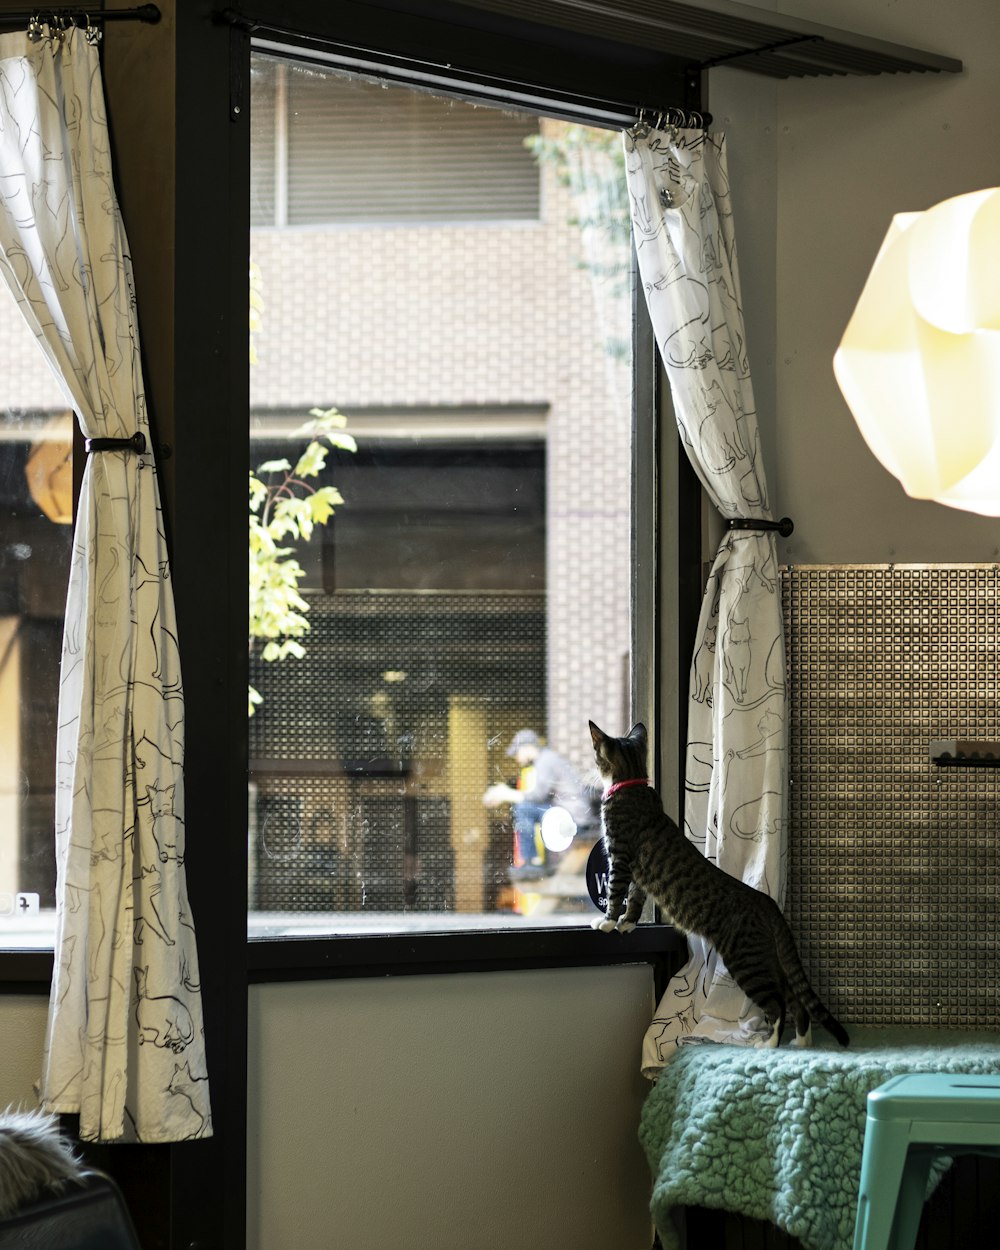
<point>322,957</point>
<point>325,956</point>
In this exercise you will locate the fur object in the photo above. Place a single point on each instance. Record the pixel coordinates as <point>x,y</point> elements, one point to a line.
<point>778,1135</point>
<point>35,1159</point>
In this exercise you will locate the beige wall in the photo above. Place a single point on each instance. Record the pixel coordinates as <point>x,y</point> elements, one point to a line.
<point>450,1112</point>
<point>22,1037</point>
<point>845,154</point>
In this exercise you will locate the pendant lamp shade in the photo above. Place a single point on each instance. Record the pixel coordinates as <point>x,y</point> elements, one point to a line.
<point>919,363</point>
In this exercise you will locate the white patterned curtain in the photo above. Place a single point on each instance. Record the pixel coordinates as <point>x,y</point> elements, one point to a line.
<point>125,1044</point>
<point>736,783</point>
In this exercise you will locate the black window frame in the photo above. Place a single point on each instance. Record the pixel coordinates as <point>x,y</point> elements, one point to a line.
<point>198,387</point>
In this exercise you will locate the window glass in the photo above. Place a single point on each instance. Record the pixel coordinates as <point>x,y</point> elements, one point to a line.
<point>440,455</point>
<point>36,507</point>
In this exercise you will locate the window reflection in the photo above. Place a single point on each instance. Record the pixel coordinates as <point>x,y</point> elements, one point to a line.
<point>474,582</point>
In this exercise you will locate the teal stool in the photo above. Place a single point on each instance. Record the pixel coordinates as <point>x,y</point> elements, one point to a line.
<point>912,1120</point>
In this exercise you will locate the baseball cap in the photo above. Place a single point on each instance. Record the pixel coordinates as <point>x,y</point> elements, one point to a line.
<point>523,738</point>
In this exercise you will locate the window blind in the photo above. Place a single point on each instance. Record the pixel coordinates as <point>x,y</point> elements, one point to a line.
<point>262,147</point>
<point>360,153</point>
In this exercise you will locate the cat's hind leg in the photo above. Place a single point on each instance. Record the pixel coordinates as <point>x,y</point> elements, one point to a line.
<point>775,1011</point>
<point>803,1026</point>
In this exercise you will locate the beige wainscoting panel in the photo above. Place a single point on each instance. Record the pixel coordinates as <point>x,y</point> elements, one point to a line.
<point>22,1037</point>
<point>463,1112</point>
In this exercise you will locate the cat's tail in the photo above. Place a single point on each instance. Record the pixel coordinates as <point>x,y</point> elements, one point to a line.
<point>800,989</point>
<point>821,1015</point>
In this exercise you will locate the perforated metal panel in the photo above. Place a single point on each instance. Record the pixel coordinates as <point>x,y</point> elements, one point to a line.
<point>894,877</point>
<point>352,786</point>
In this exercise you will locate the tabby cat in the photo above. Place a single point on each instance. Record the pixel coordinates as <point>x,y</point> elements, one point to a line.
<point>648,853</point>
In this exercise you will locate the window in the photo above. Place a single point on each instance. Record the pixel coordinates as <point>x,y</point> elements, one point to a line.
<point>466,605</point>
<point>36,507</point>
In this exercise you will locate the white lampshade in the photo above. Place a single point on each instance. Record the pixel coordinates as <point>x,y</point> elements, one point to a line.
<point>919,363</point>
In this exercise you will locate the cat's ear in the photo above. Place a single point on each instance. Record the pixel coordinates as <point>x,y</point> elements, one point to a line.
<point>597,736</point>
<point>638,733</point>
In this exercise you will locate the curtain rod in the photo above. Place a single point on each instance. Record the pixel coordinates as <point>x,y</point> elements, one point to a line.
<point>469,84</point>
<point>82,17</point>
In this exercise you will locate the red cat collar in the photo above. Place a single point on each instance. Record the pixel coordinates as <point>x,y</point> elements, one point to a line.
<point>621,785</point>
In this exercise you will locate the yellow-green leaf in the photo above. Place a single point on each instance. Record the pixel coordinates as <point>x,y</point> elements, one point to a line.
<point>312,461</point>
<point>323,503</point>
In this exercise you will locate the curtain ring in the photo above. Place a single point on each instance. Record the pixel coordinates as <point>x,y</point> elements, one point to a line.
<point>34,28</point>
<point>640,128</point>
<point>92,33</point>
<point>58,24</point>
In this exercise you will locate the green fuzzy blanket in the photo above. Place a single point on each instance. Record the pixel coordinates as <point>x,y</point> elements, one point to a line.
<point>777,1134</point>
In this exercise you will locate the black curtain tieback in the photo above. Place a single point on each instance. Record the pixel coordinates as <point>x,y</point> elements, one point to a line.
<point>136,443</point>
<point>784,527</point>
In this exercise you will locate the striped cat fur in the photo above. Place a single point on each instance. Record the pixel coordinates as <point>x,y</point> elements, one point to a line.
<point>650,856</point>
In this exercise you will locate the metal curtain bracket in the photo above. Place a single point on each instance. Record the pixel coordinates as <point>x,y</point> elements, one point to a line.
<point>743,52</point>
<point>784,527</point>
<point>136,443</point>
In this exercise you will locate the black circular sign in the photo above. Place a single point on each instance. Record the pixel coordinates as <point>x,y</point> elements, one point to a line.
<point>598,876</point>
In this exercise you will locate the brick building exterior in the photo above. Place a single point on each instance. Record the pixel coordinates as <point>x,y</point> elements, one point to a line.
<point>479,316</point>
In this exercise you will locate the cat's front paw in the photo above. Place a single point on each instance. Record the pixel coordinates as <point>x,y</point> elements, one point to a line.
<point>604,924</point>
<point>625,926</point>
